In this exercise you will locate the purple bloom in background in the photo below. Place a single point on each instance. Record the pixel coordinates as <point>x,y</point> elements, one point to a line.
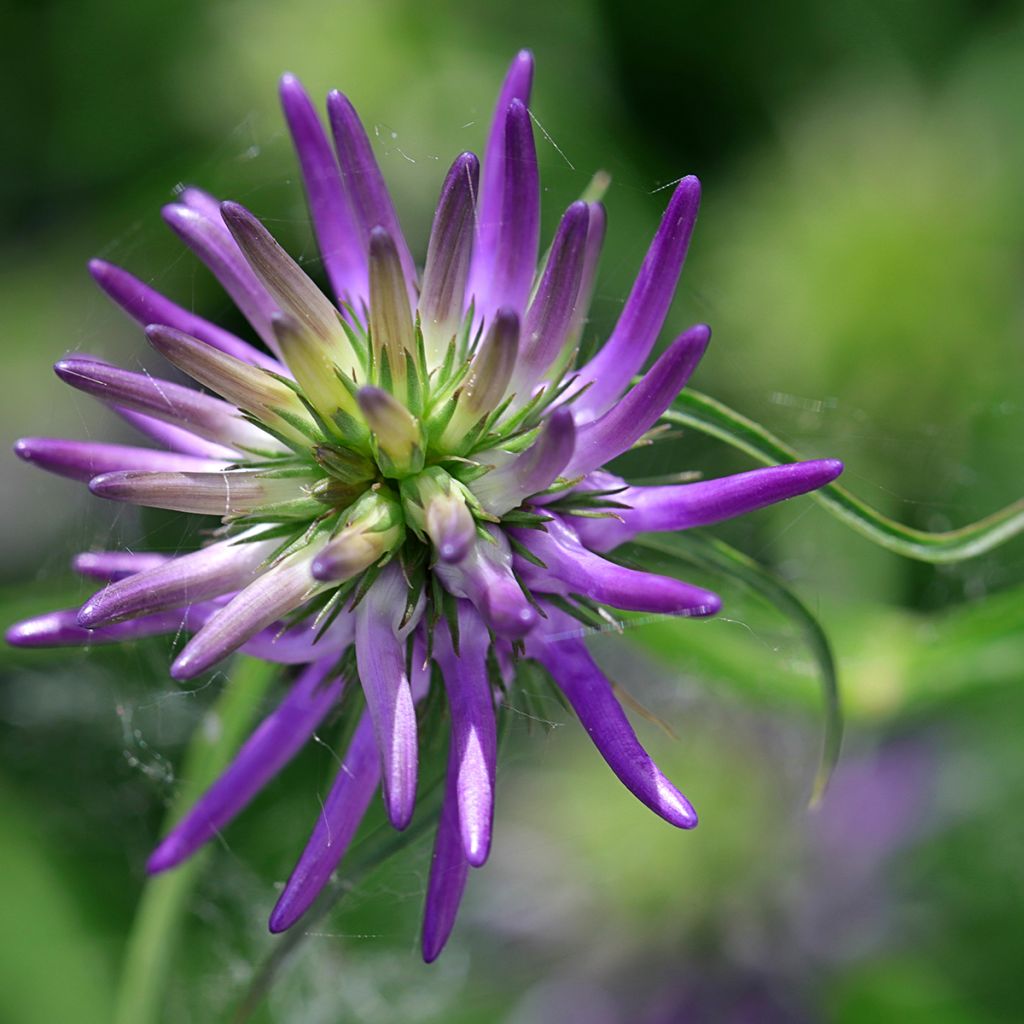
<point>407,470</point>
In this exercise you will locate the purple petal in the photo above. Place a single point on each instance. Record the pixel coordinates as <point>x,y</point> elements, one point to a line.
<point>301,643</point>
<point>278,591</point>
<point>448,255</point>
<point>380,654</point>
<point>474,736</point>
<point>593,699</point>
<point>364,184</point>
<point>517,85</point>
<point>180,406</point>
<point>148,306</point>
<point>682,506</point>
<point>82,460</point>
<point>288,285</point>
<point>199,576</point>
<point>529,472</point>
<point>229,493</point>
<point>350,796</point>
<point>583,572</point>
<point>333,221</point>
<point>263,755</point>
<point>504,267</point>
<point>111,566</point>
<point>550,315</point>
<point>599,441</point>
<point>485,577</point>
<point>595,239</point>
<point>211,241</point>
<point>448,869</point>
<point>61,628</point>
<point>176,439</point>
<point>621,357</point>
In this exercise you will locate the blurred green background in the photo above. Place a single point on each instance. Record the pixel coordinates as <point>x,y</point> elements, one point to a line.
<point>859,256</point>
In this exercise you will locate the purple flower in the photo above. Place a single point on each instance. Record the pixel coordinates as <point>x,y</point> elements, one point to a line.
<point>407,470</point>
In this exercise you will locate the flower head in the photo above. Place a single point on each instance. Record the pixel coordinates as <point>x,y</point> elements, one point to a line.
<point>407,472</point>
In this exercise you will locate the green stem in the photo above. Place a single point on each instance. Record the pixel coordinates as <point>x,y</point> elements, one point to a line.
<point>161,910</point>
<point>696,410</point>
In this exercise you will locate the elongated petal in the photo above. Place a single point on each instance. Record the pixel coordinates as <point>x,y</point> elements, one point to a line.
<point>683,506</point>
<point>180,406</point>
<point>448,868</point>
<point>177,439</point>
<point>517,86</point>
<point>485,578</point>
<point>593,699</point>
<point>333,220</point>
<point>148,306</point>
<point>391,326</point>
<point>549,317</point>
<point>274,594</point>
<point>353,789</point>
<point>230,493</point>
<point>287,283</point>
<point>380,654</point>
<point>248,387</point>
<point>373,527</point>
<point>111,566</point>
<point>621,357</point>
<point>529,472</point>
<point>301,643</point>
<point>82,460</point>
<point>61,628</point>
<point>210,240</point>
<point>448,255</point>
<point>584,572</point>
<point>588,277</point>
<point>273,744</point>
<point>364,184</point>
<point>397,434</point>
<point>198,576</point>
<point>474,735</point>
<point>505,259</point>
<point>599,441</point>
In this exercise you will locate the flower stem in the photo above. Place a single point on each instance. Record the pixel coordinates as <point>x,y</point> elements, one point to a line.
<point>161,910</point>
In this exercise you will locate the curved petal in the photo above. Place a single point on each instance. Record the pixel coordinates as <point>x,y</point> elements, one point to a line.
<point>82,460</point>
<point>380,654</point>
<point>630,343</point>
<point>448,869</point>
<point>683,506</point>
<point>568,562</point>
<point>599,441</point>
<point>148,306</point>
<point>333,221</point>
<point>273,744</point>
<point>474,734</point>
<point>593,699</point>
<point>343,811</point>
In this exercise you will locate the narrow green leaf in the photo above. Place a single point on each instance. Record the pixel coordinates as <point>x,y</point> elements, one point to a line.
<point>698,411</point>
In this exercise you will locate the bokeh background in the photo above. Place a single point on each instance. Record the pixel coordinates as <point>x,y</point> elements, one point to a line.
<point>860,256</point>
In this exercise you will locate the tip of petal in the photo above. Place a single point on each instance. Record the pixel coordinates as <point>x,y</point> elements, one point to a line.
<point>21,634</point>
<point>709,603</point>
<point>24,448</point>
<point>101,270</point>
<point>186,666</point>
<point>282,917</point>
<point>830,469</point>
<point>512,620</point>
<point>167,855</point>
